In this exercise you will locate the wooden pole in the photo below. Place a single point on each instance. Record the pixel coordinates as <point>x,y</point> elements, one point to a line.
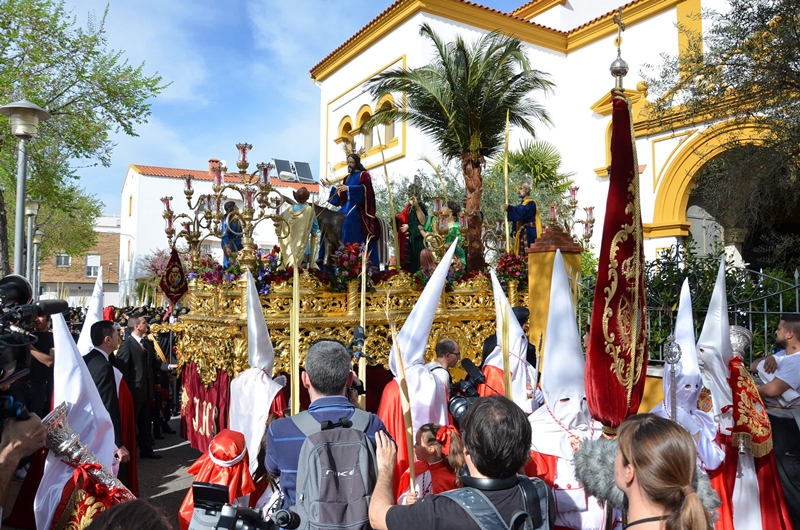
<point>404,401</point>
<point>398,258</point>
<point>506,356</point>
<point>294,339</point>
<point>362,361</point>
<point>505,171</point>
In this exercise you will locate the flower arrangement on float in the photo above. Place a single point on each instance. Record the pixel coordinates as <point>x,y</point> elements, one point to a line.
<point>512,267</point>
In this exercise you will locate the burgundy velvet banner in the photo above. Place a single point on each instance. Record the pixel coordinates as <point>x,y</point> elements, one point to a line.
<point>204,411</point>
<point>616,358</point>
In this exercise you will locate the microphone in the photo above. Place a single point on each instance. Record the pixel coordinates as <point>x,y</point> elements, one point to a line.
<point>594,468</point>
<point>51,307</point>
<point>473,371</point>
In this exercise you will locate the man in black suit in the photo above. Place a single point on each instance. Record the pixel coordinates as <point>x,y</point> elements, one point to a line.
<point>105,339</point>
<point>137,361</point>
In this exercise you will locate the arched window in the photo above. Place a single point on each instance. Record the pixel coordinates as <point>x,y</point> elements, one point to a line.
<point>364,113</point>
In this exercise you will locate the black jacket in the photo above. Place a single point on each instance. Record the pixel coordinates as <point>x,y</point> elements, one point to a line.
<point>137,363</point>
<point>103,376</point>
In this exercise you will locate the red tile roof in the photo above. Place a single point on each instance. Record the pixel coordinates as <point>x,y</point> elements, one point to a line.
<point>396,5</point>
<point>170,172</point>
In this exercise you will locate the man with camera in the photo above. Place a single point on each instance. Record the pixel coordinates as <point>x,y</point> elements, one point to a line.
<point>19,439</point>
<point>497,438</point>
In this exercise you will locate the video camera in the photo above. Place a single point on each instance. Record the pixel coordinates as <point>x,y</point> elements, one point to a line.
<point>465,392</point>
<point>213,511</point>
<point>17,316</point>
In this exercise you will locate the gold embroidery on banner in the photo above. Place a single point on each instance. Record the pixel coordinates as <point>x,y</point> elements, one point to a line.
<point>626,365</point>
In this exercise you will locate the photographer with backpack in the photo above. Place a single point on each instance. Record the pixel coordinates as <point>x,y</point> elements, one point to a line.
<point>325,456</point>
<point>497,438</point>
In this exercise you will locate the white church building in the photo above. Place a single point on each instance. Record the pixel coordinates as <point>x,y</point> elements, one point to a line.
<point>574,41</point>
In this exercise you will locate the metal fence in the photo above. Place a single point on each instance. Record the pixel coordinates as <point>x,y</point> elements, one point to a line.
<point>755,301</point>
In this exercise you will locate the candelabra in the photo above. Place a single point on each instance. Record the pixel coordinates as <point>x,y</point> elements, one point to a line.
<point>253,189</point>
<point>494,237</point>
<point>566,212</point>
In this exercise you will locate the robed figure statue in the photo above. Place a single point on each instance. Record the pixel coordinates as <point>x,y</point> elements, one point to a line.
<point>525,217</point>
<point>302,225</point>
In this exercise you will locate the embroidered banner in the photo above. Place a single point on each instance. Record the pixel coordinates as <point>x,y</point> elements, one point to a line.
<point>204,410</point>
<point>173,283</point>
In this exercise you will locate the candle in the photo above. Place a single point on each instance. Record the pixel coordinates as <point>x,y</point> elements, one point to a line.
<point>589,212</point>
<point>165,201</point>
<point>573,191</point>
<point>218,177</point>
<point>248,198</point>
<point>437,204</point>
<point>168,222</point>
<point>499,226</point>
<point>443,224</point>
<point>553,212</point>
<point>216,204</point>
<point>209,203</point>
<point>276,203</point>
<point>188,182</point>
<point>263,174</point>
<point>586,230</point>
<point>186,226</point>
<point>462,220</point>
<point>243,149</point>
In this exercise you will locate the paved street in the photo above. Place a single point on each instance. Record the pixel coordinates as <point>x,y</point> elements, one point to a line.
<point>164,482</point>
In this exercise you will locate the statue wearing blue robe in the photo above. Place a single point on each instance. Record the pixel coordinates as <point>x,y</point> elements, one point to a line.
<point>526,225</point>
<point>358,205</point>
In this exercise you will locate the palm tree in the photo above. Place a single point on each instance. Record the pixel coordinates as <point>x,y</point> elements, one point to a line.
<point>541,161</point>
<point>460,100</point>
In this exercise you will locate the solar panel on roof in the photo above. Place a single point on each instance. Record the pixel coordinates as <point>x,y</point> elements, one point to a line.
<point>304,172</point>
<point>284,169</point>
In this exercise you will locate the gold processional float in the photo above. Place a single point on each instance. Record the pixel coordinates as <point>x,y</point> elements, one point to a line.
<point>212,338</point>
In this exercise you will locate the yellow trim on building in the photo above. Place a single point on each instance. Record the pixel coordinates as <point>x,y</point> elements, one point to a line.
<point>672,199</point>
<point>689,12</point>
<point>364,110</point>
<point>657,173</point>
<point>479,17</point>
<point>536,8</point>
<point>603,106</point>
<point>605,27</point>
<point>402,60</point>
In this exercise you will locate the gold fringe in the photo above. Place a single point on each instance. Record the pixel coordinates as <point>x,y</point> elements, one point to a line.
<point>757,450</point>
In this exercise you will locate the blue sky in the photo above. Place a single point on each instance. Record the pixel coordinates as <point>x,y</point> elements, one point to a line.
<point>239,72</point>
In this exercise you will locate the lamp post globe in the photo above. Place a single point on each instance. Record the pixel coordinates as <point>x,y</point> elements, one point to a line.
<point>24,118</point>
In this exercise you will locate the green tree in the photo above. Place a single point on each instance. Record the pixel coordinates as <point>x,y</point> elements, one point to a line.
<point>744,70</point>
<point>461,100</point>
<point>63,225</point>
<point>90,90</point>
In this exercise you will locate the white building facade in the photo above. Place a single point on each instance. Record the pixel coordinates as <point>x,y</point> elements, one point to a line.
<point>574,41</point>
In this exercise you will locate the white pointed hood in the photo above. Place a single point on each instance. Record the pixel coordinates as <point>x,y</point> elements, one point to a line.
<point>715,351</point>
<point>94,314</point>
<point>427,396</point>
<point>259,346</point>
<point>563,360</point>
<point>253,391</point>
<point>522,373</point>
<point>688,379</point>
<point>87,416</point>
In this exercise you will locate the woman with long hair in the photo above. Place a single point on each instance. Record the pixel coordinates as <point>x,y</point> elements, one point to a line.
<point>656,468</point>
<point>450,213</point>
<point>439,454</point>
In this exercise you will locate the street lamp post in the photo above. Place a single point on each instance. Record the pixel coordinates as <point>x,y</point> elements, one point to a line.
<point>37,242</point>
<point>31,210</point>
<point>24,117</point>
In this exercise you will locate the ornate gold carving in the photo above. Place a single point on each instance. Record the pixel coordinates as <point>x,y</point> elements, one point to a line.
<point>214,334</point>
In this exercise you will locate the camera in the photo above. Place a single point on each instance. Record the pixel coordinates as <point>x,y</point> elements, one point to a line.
<point>213,511</point>
<point>465,392</point>
<point>17,316</point>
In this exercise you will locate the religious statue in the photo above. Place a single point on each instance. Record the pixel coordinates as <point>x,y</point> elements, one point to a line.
<point>295,243</point>
<point>231,233</point>
<point>408,224</point>
<point>525,216</point>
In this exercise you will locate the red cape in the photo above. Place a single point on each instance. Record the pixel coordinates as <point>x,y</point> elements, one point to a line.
<point>126,412</point>
<point>390,412</point>
<point>494,382</point>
